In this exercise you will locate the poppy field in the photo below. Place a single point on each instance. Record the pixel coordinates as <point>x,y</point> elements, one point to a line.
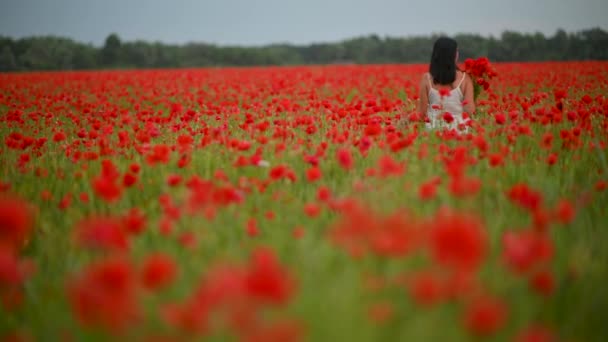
<point>302,203</point>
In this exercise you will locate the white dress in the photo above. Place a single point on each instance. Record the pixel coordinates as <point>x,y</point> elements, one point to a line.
<point>451,103</point>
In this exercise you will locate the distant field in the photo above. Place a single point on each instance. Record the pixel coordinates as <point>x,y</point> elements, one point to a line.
<point>299,203</point>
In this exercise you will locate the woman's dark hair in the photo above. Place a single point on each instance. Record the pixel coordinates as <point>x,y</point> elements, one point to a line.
<point>443,61</point>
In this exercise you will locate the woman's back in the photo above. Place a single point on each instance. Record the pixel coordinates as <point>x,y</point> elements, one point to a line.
<point>446,93</point>
<point>445,108</point>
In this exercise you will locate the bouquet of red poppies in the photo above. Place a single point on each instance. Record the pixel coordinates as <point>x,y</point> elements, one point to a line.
<point>481,72</point>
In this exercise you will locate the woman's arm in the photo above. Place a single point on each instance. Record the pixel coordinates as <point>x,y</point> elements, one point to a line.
<point>423,97</point>
<point>469,98</point>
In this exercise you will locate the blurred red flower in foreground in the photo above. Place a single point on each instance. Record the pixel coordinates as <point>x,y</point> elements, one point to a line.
<point>426,288</point>
<point>102,233</point>
<point>267,280</point>
<point>458,241</point>
<point>522,195</point>
<point>13,273</point>
<point>524,250</point>
<point>104,295</point>
<point>237,297</point>
<point>15,222</point>
<point>361,230</point>
<point>485,316</point>
<point>345,158</point>
<point>106,184</point>
<point>159,270</point>
<point>565,212</point>
<point>536,333</point>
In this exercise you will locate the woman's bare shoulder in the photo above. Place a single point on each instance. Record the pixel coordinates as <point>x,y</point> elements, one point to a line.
<point>466,78</point>
<point>424,79</point>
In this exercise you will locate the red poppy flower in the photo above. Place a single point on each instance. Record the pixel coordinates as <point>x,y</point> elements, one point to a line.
<point>524,250</point>
<point>15,222</point>
<point>448,117</point>
<point>428,190</point>
<point>252,227</point>
<point>134,221</point>
<point>500,118</point>
<point>159,270</point>
<point>312,209</point>
<point>107,189</point>
<point>267,280</point>
<point>458,241</point>
<point>13,271</point>
<point>426,289</point>
<point>542,282</point>
<point>323,194</point>
<point>345,158</point>
<point>104,295</point>
<point>59,136</point>
<point>565,212</point>
<point>174,180</point>
<point>485,316</point>
<point>389,167</point>
<point>536,333</point>
<point>129,180</point>
<point>495,159</point>
<point>102,233</point>
<point>525,197</point>
<point>313,174</point>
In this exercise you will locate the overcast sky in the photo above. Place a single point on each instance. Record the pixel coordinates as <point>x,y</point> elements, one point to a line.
<point>256,22</point>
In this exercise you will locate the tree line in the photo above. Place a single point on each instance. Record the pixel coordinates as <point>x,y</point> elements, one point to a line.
<point>56,53</point>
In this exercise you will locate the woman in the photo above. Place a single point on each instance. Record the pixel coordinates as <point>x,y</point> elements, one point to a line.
<point>446,93</point>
